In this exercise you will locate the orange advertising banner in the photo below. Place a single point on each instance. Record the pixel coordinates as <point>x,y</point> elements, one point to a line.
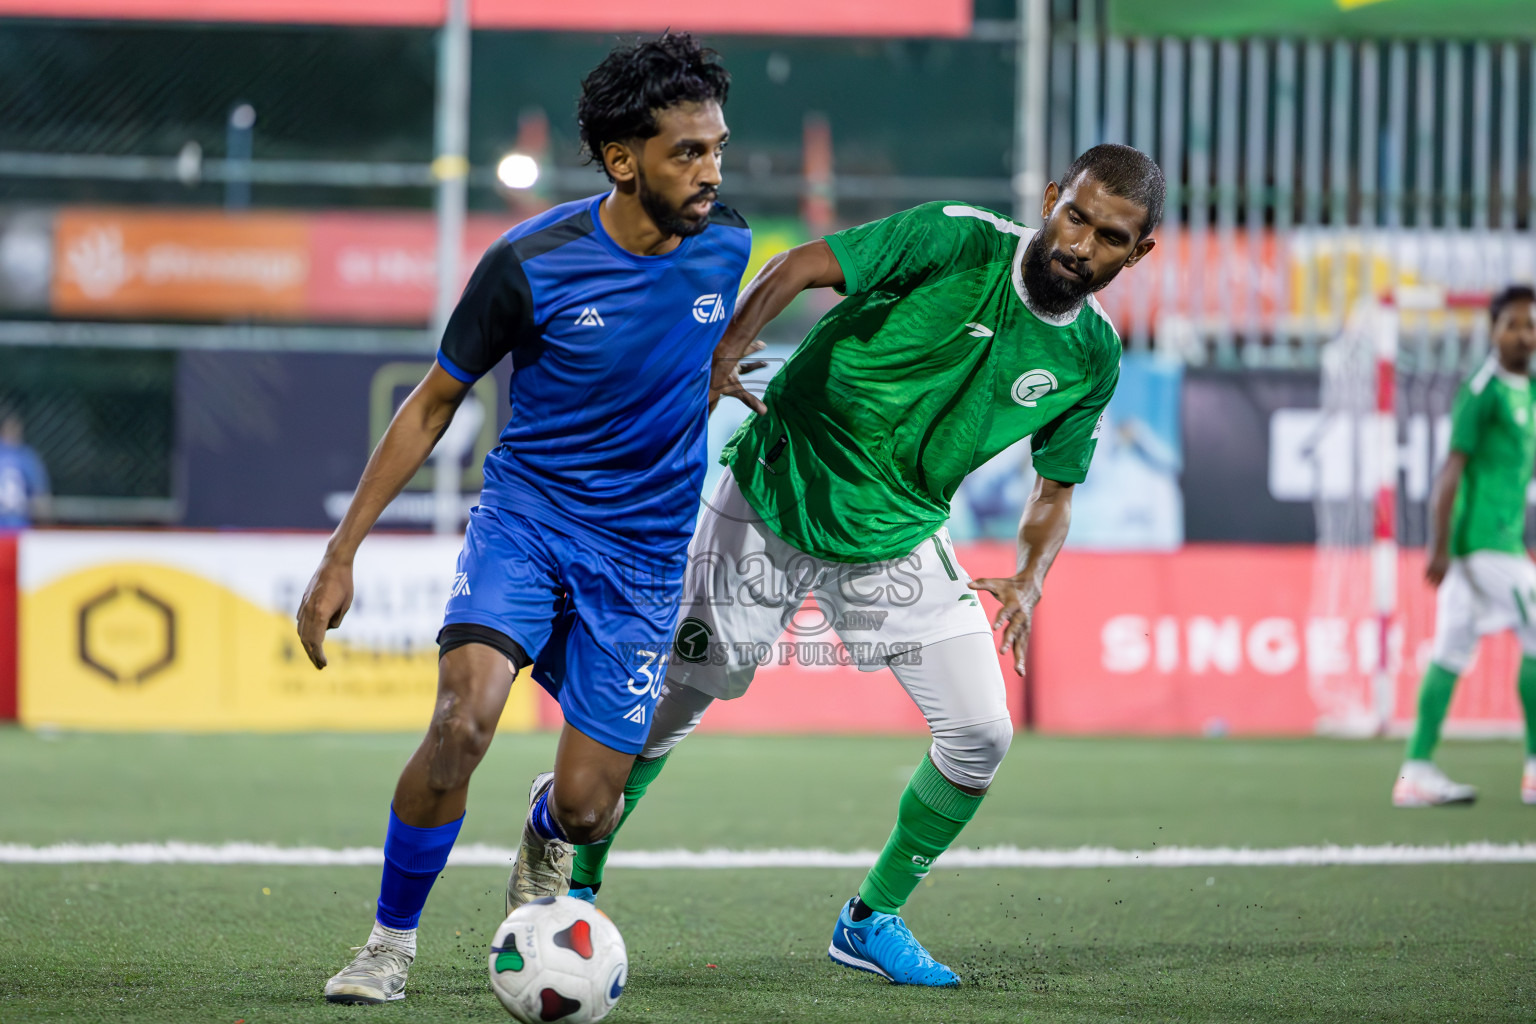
<point>359,267</point>
<point>785,17</point>
<point>121,263</point>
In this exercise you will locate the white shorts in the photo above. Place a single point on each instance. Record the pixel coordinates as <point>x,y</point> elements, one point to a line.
<point>745,587</point>
<point>1485,592</point>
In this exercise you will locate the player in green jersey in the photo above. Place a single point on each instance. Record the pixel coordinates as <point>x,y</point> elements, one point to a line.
<point>961,333</point>
<point>1477,548</point>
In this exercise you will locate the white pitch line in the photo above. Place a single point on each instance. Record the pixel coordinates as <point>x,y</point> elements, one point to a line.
<point>480,855</point>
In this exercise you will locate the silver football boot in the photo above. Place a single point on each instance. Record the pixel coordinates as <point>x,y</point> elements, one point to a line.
<point>375,975</point>
<point>543,866</point>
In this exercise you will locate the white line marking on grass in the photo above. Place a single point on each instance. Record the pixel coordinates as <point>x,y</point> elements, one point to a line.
<point>480,855</point>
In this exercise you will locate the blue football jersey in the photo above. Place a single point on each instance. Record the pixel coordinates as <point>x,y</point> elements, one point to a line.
<point>610,371</point>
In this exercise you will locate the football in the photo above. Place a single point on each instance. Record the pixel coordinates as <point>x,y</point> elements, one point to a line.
<point>558,959</point>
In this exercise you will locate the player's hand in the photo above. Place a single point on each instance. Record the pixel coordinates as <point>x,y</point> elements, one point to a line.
<point>1439,565</point>
<point>325,603</point>
<point>1018,598</point>
<point>725,376</point>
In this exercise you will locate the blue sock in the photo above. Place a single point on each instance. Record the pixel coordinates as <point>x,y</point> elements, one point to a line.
<point>413,858</point>
<point>544,822</point>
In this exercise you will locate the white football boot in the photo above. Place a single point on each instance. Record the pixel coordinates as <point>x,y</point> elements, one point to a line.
<point>1422,784</point>
<point>375,975</point>
<point>543,866</point>
<point>1528,782</point>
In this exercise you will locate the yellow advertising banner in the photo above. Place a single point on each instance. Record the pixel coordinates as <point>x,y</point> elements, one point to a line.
<point>122,631</point>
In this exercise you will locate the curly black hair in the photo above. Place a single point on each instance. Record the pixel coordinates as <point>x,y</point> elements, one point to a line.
<point>621,97</point>
<point>1127,173</point>
<point>1513,293</point>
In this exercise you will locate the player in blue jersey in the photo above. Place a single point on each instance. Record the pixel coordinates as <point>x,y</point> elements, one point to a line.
<point>23,478</point>
<point>610,308</point>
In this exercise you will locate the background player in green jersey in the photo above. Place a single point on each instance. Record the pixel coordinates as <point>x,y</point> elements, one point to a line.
<point>1477,548</point>
<point>961,333</point>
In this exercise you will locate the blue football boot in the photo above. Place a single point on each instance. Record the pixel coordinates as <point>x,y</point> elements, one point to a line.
<point>883,944</point>
<point>584,892</point>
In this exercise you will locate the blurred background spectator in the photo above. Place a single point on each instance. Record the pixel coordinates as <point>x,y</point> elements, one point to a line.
<point>24,489</point>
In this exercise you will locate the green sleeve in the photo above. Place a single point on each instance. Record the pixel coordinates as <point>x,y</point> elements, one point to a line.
<point>1467,419</point>
<point>902,251</point>
<point>1063,448</point>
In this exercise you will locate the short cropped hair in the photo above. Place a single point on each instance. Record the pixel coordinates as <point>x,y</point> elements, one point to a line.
<point>1126,172</point>
<point>621,97</point>
<point>1513,293</point>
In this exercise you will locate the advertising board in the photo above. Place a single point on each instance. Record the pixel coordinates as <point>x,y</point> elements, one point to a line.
<point>1223,638</point>
<point>787,17</point>
<point>195,631</point>
<point>125,263</point>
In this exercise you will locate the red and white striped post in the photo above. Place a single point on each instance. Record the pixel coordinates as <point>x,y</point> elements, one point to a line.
<point>1384,331</point>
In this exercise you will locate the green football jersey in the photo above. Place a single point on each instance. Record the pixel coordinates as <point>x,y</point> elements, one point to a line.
<point>1493,423</point>
<point>932,364</point>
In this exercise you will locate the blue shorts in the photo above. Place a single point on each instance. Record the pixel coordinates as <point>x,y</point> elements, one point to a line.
<point>597,624</point>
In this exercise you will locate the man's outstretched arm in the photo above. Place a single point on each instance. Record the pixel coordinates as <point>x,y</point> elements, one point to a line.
<point>1442,499</point>
<point>791,272</point>
<point>1042,531</point>
<point>413,432</point>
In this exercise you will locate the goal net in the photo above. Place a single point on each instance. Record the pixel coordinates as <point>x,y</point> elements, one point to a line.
<point>1387,384</point>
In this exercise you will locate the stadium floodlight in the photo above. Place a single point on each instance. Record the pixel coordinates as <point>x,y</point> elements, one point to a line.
<point>517,170</point>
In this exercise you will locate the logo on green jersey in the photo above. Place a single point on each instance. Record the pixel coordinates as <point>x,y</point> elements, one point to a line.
<point>692,644</point>
<point>1032,386</point>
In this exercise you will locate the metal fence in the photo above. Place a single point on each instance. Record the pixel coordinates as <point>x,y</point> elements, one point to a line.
<point>1303,174</point>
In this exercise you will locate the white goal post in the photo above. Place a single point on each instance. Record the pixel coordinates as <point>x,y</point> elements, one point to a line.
<point>1387,381</point>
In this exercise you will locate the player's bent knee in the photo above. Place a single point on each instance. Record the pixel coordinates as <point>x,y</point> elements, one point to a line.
<point>970,755</point>
<point>458,742</point>
<point>589,824</point>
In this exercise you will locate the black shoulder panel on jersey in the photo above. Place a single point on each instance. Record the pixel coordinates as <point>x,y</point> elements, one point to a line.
<point>726,217</point>
<point>553,237</point>
<point>495,313</point>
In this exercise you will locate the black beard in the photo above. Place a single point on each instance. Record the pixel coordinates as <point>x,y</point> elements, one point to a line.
<point>668,218</point>
<point>1049,293</point>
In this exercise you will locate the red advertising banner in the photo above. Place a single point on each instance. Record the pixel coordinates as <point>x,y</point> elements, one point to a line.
<point>1213,639</point>
<point>786,17</point>
<point>1223,639</point>
<point>1203,276</point>
<point>382,267</point>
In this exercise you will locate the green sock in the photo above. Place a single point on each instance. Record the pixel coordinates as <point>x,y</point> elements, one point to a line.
<point>587,869</point>
<point>931,814</point>
<point>1434,697</point>
<point>1528,701</point>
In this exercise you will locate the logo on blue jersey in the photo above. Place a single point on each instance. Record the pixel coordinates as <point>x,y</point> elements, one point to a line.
<point>709,309</point>
<point>636,714</point>
<point>460,585</point>
<point>590,318</point>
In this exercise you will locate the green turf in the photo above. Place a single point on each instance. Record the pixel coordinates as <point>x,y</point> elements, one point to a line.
<point>163,943</point>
